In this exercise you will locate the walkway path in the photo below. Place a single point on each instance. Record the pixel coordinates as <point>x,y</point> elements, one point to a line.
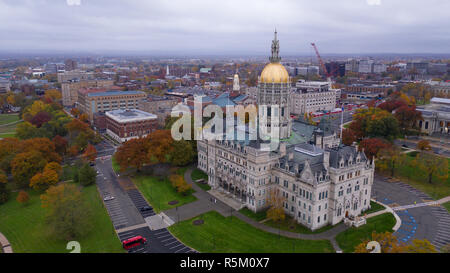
<point>5,245</point>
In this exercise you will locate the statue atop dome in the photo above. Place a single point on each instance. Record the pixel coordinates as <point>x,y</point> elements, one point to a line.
<point>275,58</point>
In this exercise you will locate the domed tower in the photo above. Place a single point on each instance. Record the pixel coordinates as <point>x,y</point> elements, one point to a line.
<point>273,89</point>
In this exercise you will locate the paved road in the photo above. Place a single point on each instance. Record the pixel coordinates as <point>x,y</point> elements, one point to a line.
<point>421,222</point>
<point>125,214</point>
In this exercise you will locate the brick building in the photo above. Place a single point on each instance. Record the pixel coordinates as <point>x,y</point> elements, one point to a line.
<point>123,125</point>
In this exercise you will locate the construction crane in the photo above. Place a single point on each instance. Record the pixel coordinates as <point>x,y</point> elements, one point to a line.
<point>322,64</point>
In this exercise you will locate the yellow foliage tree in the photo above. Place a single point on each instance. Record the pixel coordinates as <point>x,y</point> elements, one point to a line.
<point>276,203</point>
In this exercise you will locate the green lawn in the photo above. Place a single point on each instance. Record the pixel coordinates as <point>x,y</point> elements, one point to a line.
<point>374,207</point>
<point>8,118</point>
<point>199,174</point>
<point>231,235</point>
<point>287,224</point>
<point>115,166</point>
<point>447,206</point>
<point>352,237</point>
<point>25,227</point>
<point>418,179</point>
<point>259,216</point>
<point>159,192</point>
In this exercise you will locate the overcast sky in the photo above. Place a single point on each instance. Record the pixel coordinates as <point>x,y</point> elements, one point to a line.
<point>225,26</point>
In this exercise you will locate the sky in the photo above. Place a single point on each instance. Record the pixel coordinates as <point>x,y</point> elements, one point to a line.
<point>240,27</point>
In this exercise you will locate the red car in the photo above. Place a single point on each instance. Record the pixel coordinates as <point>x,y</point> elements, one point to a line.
<point>134,242</point>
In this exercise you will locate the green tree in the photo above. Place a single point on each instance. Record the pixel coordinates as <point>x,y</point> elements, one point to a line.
<point>390,158</point>
<point>67,214</point>
<point>87,175</point>
<point>432,165</point>
<point>182,153</point>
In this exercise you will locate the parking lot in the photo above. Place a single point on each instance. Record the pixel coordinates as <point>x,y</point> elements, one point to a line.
<point>139,201</point>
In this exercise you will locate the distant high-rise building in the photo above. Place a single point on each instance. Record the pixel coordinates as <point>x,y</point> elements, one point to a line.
<point>70,65</point>
<point>51,68</point>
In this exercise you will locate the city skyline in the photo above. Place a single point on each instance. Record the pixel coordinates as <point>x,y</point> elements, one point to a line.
<point>221,28</point>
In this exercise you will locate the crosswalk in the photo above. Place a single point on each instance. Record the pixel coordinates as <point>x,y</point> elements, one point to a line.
<point>443,230</point>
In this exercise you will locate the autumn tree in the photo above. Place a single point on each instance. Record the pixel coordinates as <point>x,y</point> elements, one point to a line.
<point>390,158</point>
<point>275,201</point>
<point>159,146</point>
<point>53,95</point>
<point>23,197</point>
<point>133,153</point>
<point>432,165</point>
<point>60,144</point>
<point>179,183</point>
<point>4,191</point>
<point>388,243</point>
<point>67,214</point>
<point>54,166</point>
<point>44,146</point>
<point>40,118</point>
<point>445,248</point>
<point>348,137</point>
<point>42,181</point>
<point>75,112</point>
<point>26,165</point>
<point>424,145</point>
<point>372,146</point>
<point>90,154</point>
<point>420,246</point>
<point>408,116</point>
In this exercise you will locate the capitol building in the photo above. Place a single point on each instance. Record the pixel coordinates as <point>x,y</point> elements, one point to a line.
<point>319,180</point>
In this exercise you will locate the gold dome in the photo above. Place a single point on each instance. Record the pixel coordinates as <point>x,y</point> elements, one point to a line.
<point>274,73</point>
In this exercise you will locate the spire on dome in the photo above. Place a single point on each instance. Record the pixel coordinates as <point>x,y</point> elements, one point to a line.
<point>275,58</point>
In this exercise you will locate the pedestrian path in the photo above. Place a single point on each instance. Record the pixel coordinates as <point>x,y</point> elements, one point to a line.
<point>418,205</point>
<point>4,244</point>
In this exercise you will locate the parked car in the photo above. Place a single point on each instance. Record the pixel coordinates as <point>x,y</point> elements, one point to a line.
<point>145,208</point>
<point>108,198</point>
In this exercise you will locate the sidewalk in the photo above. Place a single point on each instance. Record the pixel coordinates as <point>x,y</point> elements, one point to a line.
<point>4,243</point>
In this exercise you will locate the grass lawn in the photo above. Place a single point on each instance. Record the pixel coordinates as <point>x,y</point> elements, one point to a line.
<point>199,174</point>
<point>447,206</point>
<point>115,166</point>
<point>259,216</point>
<point>352,237</point>
<point>283,225</point>
<point>8,134</point>
<point>159,191</point>
<point>231,235</point>
<point>25,227</point>
<point>8,118</point>
<point>418,179</point>
<point>374,207</point>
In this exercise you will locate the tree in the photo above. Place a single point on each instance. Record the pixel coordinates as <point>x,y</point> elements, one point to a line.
<point>40,118</point>
<point>179,183</point>
<point>182,153</point>
<point>159,146</point>
<point>133,153</point>
<point>424,145</point>
<point>276,205</point>
<point>388,243</point>
<point>26,165</point>
<point>75,112</point>
<point>26,130</point>
<point>445,248</point>
<point>44,146</point>
<point>348,137</point>
<point>23,197</point>
<point>372,146</point>
<point>67,214</point>
<point>60,144</point>
<point>53,95</point>
<point>407,116</point>
<point>4,191</point>
<point>420,246</point>
<point>390,158</point>
<point>90,154</point>
<point>87,175</point>
<point>42,181</point>
<point>432,165</point>
<point>54,166</point>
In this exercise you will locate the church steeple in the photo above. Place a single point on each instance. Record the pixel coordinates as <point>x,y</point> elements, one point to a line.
<point>275,58</point>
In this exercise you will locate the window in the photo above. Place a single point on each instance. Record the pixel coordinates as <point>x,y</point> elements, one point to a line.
<point>318,219</point>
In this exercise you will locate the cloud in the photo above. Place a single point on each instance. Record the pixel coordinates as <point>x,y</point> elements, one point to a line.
<point>231,26</point>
